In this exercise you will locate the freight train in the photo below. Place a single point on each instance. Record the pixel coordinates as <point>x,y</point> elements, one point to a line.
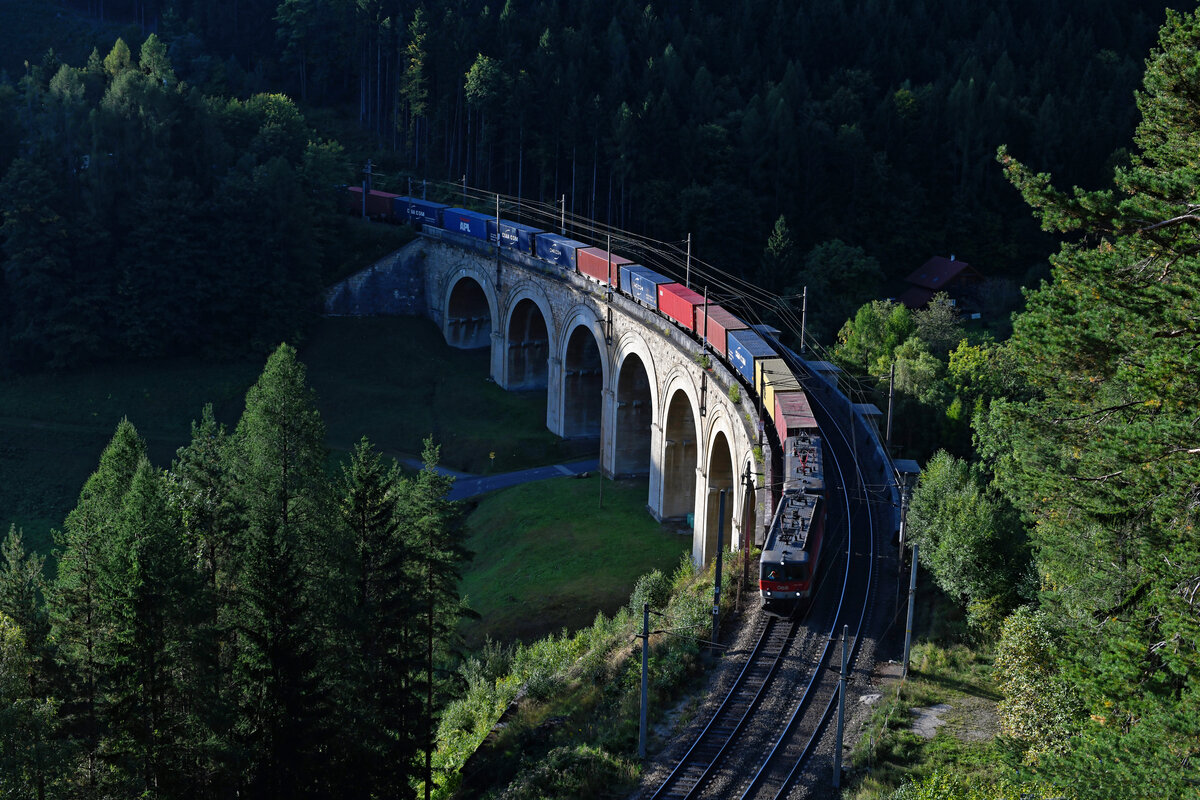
<point>792,548</point>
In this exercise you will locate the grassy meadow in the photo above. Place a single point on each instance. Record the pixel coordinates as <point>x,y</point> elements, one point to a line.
<point>548,557</point>
<point>393,379</point>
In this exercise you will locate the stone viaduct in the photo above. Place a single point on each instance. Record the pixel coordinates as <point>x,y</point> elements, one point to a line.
<point>611,368</point>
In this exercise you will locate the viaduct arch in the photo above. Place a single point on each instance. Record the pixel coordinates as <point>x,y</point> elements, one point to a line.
<point>611,370</point>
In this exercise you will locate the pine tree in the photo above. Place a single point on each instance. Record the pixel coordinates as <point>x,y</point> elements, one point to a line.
<point>28,757</point>
<point>1103,458</point>
<point>200,494</point>
<point>149,588</point>
<point>29,752</point>
<point>23,599</point>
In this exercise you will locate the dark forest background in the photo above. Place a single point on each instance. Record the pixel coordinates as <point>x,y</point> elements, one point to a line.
<point>169,183</point>
<point>190,189</point>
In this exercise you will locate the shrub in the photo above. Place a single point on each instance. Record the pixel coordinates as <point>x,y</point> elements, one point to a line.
<point>1038,708</point>
<point>652,588</point>
<point>684,573</point>
<point>942,785</point>
<point>571,772</point>
<point>467,721</point>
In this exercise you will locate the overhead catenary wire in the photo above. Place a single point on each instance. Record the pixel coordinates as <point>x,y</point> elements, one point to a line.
<point>752,302</point>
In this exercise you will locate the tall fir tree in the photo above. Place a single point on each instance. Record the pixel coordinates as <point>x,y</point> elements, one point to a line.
<point>201,495</point>
<point>23,598</point>
<point>149,590</point>
<point>30,753</point>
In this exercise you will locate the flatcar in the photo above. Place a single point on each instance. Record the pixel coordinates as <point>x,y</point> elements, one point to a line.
<point>791,554</point>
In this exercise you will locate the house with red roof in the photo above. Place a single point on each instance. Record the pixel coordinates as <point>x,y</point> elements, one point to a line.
<point>956,278</point>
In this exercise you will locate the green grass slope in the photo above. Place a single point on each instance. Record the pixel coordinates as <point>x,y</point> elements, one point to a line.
<point>395,380</point>
<point>53,427</point>
<point>548,557</point>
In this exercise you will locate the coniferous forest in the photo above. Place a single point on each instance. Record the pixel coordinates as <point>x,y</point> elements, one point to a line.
<point>242,623</point>
<point>866,122</point>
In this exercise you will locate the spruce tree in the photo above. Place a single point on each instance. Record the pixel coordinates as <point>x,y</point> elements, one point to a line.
<point>23,599</point>
<point>281,614</point>
<point>201,495</point>
<point>78,603</point>
<point>435,537</point>
<point>30,754</point>
<point>380,702</point>
<point>149,589</point>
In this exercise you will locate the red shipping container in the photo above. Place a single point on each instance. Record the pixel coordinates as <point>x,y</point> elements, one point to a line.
<point>719,322</point>
<point>593,262</point>
<point>354,199</point>
<point>793,414</point>
<point>679,303</point>
<point>379,204</point>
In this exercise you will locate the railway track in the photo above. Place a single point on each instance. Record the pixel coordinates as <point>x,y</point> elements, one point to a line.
<point>756,676</point>
<point>777,755</point>
<point>792,750</point>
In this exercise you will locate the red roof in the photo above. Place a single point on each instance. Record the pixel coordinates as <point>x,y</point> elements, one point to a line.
<point>915,297</point>
<point>937,273</point>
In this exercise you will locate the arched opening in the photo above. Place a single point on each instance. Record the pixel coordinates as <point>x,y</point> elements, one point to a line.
<point>583,377</point>
<point>528,347</point>
<point>635,414</point>
<point>679,458</point>
<point>468,317</point>
<point>720,476</point>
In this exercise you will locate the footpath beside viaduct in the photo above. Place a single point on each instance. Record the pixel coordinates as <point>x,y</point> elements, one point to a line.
<point>611,370</point>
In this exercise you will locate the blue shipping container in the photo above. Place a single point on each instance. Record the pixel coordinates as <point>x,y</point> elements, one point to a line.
<point>513,235</point>
<point>558,249</point>
<point>425,212</point>
<point>468,223</point>
<point>641,283</point>
<point>744,346</point>
<point>400,208</point>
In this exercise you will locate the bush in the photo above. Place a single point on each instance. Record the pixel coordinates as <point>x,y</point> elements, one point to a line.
<point>466,722</point>
<point>684,573</point>
<point>946,786</point>
<point>1038,708</point>
<point>571,772</point>
<point>652,588</point>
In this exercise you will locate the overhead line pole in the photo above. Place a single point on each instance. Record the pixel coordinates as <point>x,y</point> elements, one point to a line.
<point>912,594</point>
<point>803,317</point>
<point>841,723</point>
<point>716,626</point>
<point>687,271</point>
<point>645,679</point>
